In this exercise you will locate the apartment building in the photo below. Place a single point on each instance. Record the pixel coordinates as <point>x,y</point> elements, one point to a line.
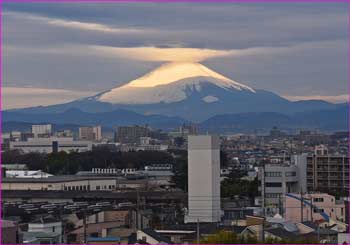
<point>278,179</point>
<point>328,173</point>
<point>131,134</point>
<point>90,133</point>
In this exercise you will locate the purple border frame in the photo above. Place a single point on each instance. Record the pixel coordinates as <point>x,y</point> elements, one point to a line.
<point>166,1</point>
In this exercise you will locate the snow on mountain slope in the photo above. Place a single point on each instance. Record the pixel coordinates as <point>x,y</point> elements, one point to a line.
<point>169,83</point>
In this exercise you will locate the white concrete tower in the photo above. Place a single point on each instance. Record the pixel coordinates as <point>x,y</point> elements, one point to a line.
<point>203,179</point>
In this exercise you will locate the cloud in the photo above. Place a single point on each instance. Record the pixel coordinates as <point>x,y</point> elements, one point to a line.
<point>87,26</point>
<point>16,97</point>
<point>162,54</point>
<point>289,48</point>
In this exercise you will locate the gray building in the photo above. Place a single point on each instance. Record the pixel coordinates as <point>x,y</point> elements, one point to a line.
<point>203,179</point>
<point>278,179</point>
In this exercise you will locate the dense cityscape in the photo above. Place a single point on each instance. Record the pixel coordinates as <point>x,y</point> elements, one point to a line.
<point>144,185</point>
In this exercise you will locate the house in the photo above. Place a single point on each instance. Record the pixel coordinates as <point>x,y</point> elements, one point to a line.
<point>179,236</point>
<point>151,237</point>
<point>103,240</point>
<point>48,225</point>
<point>10,228</point>
<point>279,233</point>
<point>42,238</point>
<point>344,238</point>
<point>92,230</point>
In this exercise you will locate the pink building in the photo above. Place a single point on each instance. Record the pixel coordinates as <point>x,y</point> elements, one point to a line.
<point>316,206</point>
<point>9,232</point>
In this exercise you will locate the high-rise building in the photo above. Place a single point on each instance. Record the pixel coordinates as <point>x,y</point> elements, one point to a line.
<point>203,179</point>
<point>90,133</point>
<point>42,130</point>
<point>189,129</point>
<point>328,173</point>
<point>131,134</point>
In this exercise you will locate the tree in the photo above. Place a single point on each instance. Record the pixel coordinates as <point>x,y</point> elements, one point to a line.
<point>179,141</point>
<point>221,237</point>
<point>228,237</point>
<point>233,186</point>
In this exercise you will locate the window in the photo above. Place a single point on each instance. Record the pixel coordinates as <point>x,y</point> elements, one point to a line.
<point>273,184</point>
<point>53,229</point>
<point>273,174</point>
<point>318,199</point>
<point>288,174</point>
<point>97,187</point>
<point>318,210</point>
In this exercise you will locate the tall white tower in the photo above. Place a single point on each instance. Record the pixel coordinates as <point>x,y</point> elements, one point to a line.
<point>203,179</point>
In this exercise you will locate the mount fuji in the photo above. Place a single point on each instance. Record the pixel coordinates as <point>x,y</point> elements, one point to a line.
<point>190,91</point>
<point>180,92</point>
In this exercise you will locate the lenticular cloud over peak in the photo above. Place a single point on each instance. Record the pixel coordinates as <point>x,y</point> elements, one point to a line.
<point>163,54</point>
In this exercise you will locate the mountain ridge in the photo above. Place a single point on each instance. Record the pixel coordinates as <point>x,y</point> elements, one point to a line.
<point>189,91</point>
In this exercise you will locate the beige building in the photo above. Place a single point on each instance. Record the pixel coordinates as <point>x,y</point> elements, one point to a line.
<point>90,133</point>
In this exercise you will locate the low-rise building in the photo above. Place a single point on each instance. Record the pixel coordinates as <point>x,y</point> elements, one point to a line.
<point>49,145</point>
<point>80,183</point>
<point>9,231</point>
<point>316,207</point>
<point>150,236</point>
<point>26,174</point>
<point>48,225</point>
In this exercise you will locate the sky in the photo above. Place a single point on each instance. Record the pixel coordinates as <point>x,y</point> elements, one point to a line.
<point>56,52</point>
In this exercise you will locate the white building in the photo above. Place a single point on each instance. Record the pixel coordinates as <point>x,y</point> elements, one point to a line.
<point>203,179</point>
<point>52,144</point>
<point>41,129</point>
<point>152,148</point>
<point>27,174</point>
<point>46,225</point>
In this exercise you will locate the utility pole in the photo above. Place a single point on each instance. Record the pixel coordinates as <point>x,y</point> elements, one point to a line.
<point>84,224</point>
<point>137,209</point>
<point>301,205</point>
<point>198,231</point>
<point>311,210</point>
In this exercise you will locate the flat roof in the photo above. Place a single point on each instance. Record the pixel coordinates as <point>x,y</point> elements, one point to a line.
<point>70,178</point>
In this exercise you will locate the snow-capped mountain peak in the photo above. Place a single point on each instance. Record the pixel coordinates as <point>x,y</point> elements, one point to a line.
<point>169,83</point>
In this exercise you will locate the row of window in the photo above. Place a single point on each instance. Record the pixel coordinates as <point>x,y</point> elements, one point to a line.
<point>273,174</point>
<point>279,174</point>
<point>105,187</point>
<point>273,195</point>
<point>87,187</point>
